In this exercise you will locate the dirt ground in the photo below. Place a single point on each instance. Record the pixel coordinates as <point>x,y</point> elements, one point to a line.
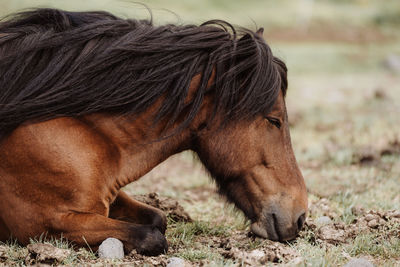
<point>344,110</point>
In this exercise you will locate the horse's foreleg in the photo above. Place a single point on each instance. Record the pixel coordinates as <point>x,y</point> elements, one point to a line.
<point>128,209</point>
<point>91,229</point>
<point>4,232</point>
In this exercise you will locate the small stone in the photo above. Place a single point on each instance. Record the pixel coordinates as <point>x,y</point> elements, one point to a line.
<point>257,254</point>
<point>331,234</point>
<point>111,248</point>
<point>369,217</point>
<point>358,262</point>
<point>373,223</point>
<point>176,262</point>
<point>323,220</point>
<point>392,62</point>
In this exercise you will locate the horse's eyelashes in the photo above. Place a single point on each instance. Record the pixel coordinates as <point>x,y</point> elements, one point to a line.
<point>274,121</point>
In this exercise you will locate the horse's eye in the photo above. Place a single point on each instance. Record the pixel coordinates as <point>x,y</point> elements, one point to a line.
<point>274,121</point>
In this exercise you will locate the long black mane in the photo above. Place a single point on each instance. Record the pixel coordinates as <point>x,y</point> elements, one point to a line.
<point>55,63</point>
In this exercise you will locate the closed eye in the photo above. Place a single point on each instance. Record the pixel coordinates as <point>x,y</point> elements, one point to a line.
<point>274,121</point>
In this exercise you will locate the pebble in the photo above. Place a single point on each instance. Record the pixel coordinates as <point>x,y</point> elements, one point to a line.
<point>369,217</point>
<point>257,254</point>
<point>331,235</point>
<point>323,220</point>
<point>392,62</point>
<point>111,248</point>
<point>373,223</point>
<point>358,262</point>
<point>175,262</point>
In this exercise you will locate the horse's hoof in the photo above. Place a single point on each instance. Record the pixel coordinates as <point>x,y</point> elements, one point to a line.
<point>153,244</point>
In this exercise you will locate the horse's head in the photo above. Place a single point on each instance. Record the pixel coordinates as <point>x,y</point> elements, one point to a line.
<point>254,165</point>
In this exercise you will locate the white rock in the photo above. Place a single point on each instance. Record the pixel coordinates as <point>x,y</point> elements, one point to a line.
<point>358,262</point>
<point>323,220</point>
<point>175,262</point>
<point>392,62</point>
<point>111,248</point>
<point>257,254</point>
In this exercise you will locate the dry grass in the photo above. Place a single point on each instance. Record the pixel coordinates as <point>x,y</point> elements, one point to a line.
<point>344,108</point>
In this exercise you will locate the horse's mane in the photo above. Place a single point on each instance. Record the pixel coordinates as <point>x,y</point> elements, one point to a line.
<point>55,63</point>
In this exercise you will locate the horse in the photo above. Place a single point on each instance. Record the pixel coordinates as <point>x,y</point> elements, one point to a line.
<point>90,102</point>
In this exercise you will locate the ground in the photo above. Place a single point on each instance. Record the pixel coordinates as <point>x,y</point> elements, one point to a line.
<point>344,105</point>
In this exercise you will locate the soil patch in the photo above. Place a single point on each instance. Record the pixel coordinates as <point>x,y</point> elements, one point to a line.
<point>170,206</point>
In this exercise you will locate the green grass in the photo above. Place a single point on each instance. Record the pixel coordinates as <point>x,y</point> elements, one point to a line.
<point>196,254</point>
<point>15,254</point>
<point>376,246</point>
<point>332,84</point>
<point>77,256</point>
<point>319,255</point>
<point>186,233</point>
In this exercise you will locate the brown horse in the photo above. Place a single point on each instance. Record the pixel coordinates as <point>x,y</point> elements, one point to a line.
<point>90,103</point>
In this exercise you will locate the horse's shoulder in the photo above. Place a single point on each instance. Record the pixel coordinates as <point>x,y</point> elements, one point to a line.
<point>63,140</point>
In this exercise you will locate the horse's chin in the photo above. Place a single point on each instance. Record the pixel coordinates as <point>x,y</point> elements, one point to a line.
<point>259,230</point>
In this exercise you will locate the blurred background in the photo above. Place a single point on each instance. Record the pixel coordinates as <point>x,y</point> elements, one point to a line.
<point>343,99</point>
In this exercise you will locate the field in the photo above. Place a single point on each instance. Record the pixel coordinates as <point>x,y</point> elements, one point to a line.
<point>344,110</point>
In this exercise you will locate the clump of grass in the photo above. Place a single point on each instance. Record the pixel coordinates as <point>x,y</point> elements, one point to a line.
<point>376,245</point>
<point>76,256</point>
<point>61,243</point>
<point>194,254</point>
<point>15,254</point>
<point>345,201</point>
<point>256,243</point>
<point>320,255</point>
<point>185,233</point>
<point>200,254</point>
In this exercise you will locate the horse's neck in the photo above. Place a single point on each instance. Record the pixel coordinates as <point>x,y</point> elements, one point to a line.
<point>138,143</point>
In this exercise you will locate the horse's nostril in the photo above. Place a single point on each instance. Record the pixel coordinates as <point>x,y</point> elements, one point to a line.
<point>300,221</point>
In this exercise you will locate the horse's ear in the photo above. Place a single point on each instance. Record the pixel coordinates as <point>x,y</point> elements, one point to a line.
<point>260,32</point>
<point>247,36</point>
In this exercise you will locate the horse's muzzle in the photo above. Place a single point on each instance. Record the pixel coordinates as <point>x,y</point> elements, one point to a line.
<point>278,226</point>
